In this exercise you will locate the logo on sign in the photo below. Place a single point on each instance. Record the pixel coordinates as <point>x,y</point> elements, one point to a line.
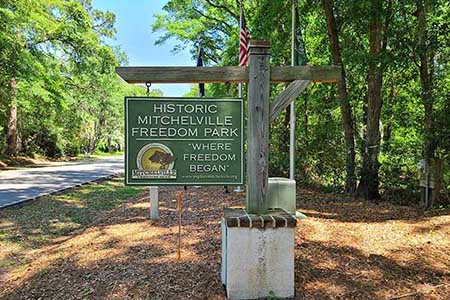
<point>155,161</point>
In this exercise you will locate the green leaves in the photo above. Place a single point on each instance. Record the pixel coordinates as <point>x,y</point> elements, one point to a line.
<point>319,137</point>
<point>67,84</point>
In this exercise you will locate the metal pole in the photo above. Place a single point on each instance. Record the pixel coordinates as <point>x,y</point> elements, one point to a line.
<point>153,190</point>
<point>292,106</point>
<point>238,188</point>
<point>179,226</point>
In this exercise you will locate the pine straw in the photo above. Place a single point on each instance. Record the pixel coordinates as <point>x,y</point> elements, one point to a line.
<point>344,250</point>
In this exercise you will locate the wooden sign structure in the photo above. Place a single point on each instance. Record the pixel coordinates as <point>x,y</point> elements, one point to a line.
<point>258,75</point>
<point>183,141</point>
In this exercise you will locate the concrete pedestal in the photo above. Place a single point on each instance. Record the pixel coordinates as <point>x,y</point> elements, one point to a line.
<point>258,254</point>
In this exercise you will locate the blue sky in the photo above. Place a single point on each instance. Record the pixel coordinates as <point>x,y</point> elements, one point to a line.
<point>135,37</point>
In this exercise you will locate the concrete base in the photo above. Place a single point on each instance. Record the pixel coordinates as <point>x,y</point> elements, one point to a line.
<point>258,262</point>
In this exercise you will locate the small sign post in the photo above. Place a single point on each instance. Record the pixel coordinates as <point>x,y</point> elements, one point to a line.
<point>179,141</point>
<point>154,203</point>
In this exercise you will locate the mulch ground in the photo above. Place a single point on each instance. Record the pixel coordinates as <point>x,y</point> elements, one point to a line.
<point>344,250</point>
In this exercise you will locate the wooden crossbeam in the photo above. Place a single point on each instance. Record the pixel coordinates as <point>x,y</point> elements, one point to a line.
<point>182,74</point>
<point>287,96</point>
<point>313,73</point>
<point>225,74</point>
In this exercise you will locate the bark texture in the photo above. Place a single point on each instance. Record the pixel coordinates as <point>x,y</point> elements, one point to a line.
<point>346,109</point>
<point>426,57</point>
<point>369,183</point>
<point>11,134</point>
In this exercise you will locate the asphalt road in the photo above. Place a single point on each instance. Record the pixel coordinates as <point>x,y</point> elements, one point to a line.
<point>23,185</point>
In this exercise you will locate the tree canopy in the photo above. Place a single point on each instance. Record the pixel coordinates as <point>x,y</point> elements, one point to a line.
<point>59,94</point>
<point>393,109</point>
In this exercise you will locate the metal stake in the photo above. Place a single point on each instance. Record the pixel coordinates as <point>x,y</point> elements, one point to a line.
<point>179,226</point>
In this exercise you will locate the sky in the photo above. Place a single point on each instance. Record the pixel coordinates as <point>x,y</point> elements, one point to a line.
<point>134,35</point>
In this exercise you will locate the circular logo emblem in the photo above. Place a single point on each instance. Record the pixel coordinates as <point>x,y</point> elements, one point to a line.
<point>155,156</point>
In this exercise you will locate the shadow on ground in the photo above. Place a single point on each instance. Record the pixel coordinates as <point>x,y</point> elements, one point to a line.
<point>330,206</point>
<point>123,255</point>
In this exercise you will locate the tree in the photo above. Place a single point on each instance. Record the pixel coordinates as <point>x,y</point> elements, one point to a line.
<point>48,49</point>
<point>378,37</point>
<point>270,20</point>
<point>383,97</point>
<point>346,109</point>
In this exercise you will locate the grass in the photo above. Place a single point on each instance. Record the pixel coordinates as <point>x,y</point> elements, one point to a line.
<point>100,154</point>
<point>38,223</point>
<point>23,162</point>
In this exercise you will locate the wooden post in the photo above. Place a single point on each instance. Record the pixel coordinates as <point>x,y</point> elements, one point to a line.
<point>154,203</point>
<point>258,127</point>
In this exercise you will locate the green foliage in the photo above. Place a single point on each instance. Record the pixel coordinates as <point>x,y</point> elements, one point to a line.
<point>69,98</point>
<point>319,135</point>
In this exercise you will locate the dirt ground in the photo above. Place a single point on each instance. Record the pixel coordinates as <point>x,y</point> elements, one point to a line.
<point>344,250</point>
<point>24,162</point>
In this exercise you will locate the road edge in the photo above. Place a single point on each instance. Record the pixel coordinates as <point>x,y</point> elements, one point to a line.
<point>61,190</point>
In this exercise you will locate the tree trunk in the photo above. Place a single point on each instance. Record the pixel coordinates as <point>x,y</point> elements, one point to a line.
<point>109,145</point>
<point>283,145</point>
<point>426,56</point>
<point>11,135</point>
<point>346,109</point>
<point>369,184</point>
<point>387,127</point>
<point>426,79</point>
<point>305,120</point>
<point>286,133</point>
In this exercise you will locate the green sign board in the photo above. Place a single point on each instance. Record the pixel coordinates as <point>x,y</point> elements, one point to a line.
<point>183,141</point>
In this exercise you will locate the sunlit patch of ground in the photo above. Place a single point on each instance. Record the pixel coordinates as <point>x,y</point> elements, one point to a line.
<point>372,251</point>
<point>97,242</point>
